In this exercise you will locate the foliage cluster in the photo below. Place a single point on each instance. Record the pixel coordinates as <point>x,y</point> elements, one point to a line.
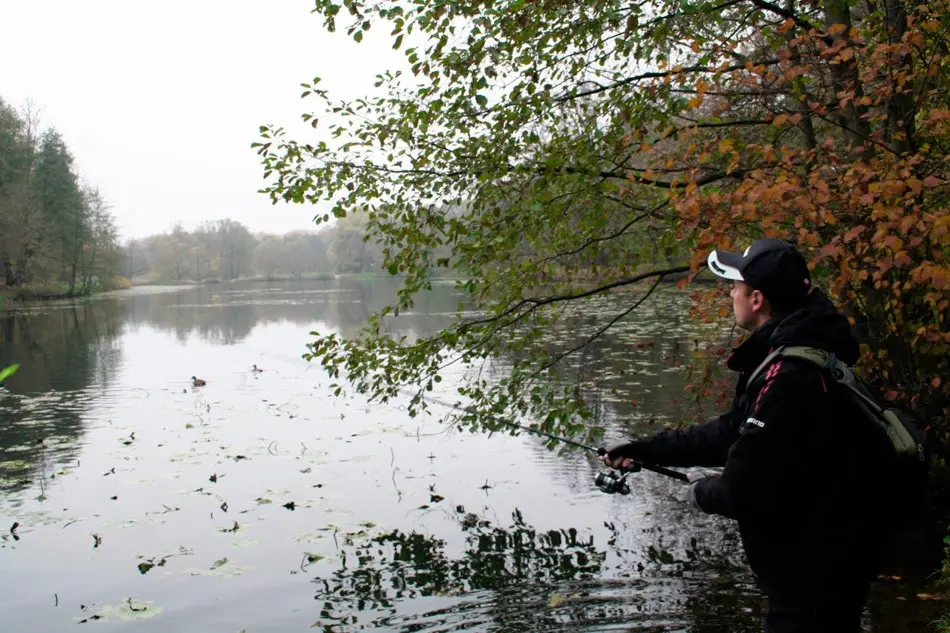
<point>603,134</point>
<point>53,228</point>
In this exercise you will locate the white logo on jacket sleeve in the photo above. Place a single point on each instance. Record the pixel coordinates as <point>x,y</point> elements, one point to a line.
<point>758,423</point>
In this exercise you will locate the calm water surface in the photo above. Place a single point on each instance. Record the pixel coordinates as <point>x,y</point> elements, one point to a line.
<point>260,503</point>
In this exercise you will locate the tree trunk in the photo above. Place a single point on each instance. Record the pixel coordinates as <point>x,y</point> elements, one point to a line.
<point>845,77</point>
<point>900,106</point>
<point>806,126</point>
<point>9,276</point>
<point>73,271</point>
<point>21,277</point>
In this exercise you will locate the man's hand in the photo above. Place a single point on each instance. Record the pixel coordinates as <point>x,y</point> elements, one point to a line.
<point>614,456</point>
<point>694,478</point>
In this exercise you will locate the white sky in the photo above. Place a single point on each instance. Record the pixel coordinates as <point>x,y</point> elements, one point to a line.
<point>160,101</point>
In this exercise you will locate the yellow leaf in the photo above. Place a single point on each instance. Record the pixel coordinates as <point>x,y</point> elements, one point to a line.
<point>556,600</point>
<point>695,102</point>
<point>725,145</point>
<point>935,383</point>
<point>893,242</point>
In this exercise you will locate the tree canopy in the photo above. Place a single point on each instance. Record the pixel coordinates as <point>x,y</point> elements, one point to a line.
<point>627,140</point>
<point>54,229</point>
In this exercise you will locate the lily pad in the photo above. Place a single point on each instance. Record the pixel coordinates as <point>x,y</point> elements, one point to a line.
<point>309,537</point>
<point>222,568</point>
<point>130,610</point>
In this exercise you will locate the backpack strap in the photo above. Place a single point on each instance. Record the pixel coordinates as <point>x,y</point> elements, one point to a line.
<point>813,355</point>
<point>887,420</point>
<point>840,371</point>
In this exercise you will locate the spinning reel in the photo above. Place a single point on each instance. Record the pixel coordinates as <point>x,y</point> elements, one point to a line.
<point>615,482</point>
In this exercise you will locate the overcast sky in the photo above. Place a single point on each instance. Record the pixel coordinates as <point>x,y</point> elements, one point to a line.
<point>160,101</point>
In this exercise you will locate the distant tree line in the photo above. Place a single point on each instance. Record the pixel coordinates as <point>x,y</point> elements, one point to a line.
<point>226,249</point>
<point>56,232</point>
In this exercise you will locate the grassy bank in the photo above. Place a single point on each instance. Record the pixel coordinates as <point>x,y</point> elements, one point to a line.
<point>58,290</point>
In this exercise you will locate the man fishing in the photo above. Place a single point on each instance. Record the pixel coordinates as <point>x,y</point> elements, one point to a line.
<point>801,470</point>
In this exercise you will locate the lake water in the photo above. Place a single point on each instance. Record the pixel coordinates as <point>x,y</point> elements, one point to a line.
<point>260,503</point>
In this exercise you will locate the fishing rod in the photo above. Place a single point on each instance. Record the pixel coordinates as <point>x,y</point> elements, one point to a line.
<point>607,481</point>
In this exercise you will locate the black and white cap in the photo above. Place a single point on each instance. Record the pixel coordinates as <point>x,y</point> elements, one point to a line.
<point>771,266</point>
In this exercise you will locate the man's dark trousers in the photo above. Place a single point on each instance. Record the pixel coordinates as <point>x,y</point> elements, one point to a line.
<point>844,617</point>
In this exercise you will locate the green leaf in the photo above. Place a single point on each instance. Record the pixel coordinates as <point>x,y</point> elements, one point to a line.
<point>9,371</point>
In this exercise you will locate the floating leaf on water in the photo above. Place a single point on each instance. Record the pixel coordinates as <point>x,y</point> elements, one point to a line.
<point>145,566</point>
<point>290,505</point>
<point>230,530</point>
<point>308,537</point>
<point>130,610</point>
<point>262,501</point>
<point>305,470</point>
<point>436,498</point>
<point>556,600</point>
<point>368,524</point>
<point>221,568</point>
<point>96,540</point>
<point>312,558</point>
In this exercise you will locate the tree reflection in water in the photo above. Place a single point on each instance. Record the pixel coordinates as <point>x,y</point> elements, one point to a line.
<point>519,579</point>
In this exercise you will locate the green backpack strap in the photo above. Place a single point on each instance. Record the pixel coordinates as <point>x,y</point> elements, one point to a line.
<point>885,419</point>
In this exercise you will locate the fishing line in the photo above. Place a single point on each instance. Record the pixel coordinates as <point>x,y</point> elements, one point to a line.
<point>636,466</point>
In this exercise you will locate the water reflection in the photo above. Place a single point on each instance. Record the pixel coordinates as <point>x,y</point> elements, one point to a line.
<point>521,579</point>
<point>67,354</point>
<point>96,374</point>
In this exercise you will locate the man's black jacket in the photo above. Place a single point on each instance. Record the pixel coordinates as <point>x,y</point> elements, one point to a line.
<point>801,470</point>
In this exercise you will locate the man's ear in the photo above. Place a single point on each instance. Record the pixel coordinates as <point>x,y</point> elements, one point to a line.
<point>759,302</point>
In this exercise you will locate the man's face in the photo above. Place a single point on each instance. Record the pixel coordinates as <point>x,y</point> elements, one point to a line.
<point>746,304</point>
